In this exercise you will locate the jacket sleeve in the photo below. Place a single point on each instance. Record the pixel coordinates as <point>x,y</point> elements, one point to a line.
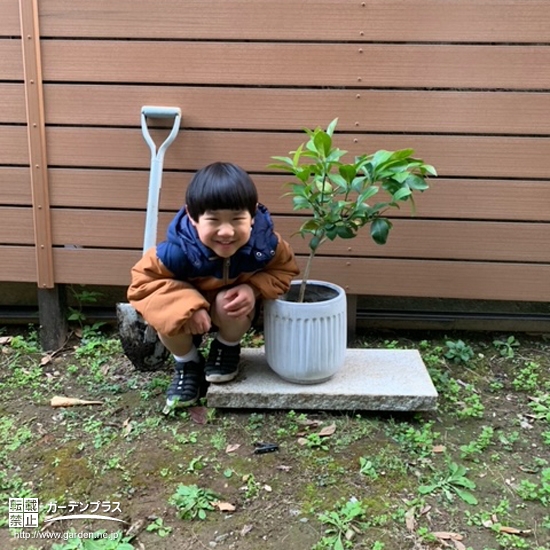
<point>164,302</point>
<point>274,280</point>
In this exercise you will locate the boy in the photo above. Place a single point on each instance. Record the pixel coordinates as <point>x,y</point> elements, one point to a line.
<point>220,257</point>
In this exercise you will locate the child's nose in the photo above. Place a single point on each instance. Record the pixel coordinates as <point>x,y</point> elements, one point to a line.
<point>225,229</point>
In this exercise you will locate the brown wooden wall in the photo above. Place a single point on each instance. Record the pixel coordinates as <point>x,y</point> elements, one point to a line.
<point>466,83</point>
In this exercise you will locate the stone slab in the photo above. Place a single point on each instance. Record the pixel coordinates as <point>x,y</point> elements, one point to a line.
<point>371,379</point>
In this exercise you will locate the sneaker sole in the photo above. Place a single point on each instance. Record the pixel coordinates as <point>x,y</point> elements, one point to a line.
<point>220,378</point>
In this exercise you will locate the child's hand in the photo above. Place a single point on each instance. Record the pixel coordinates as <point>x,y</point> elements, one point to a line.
<point>239,301</point>
<point>198,323</point>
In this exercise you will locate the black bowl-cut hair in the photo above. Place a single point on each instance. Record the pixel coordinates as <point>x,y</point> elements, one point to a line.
<point>221,186</point>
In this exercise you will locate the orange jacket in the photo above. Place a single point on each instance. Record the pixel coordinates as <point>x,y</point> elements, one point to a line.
<point>166,302</point>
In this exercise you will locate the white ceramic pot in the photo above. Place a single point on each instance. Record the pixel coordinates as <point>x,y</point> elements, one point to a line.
<point>305,343</point>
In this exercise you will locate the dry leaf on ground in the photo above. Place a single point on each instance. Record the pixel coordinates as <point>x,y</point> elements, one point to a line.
<point>327,430</point>
<point>60,401</point>
<point>246,529</point>
<point>513,530</point>
<point>446,535</point>
<point>127,427</point>
<point>232,448</point>
<point>224,506</point>
<point>198,414</point>
<point>410,521</point>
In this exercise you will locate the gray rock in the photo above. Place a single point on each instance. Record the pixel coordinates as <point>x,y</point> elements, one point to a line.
<point>371,379</point>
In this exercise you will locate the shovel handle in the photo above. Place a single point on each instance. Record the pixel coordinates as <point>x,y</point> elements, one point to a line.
<point>157,161</point>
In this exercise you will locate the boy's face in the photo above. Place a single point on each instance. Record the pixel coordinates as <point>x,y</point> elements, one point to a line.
<point>224,231</point>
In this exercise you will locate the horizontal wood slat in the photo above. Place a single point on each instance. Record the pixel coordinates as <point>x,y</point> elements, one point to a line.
<point>16,186</point>
<point>11,59</point>
<point>448,198</point>
<point>410,238</point>
<point>18,264</point>
<point>461,280</point>
<point>293,109</point>
<point>9,21</point>
<point>384,277</point>
<point>452,155</point>
<point>371,65</point>
<point>386,20</point>
<point>13,103</point>
<point>16,226</point>
<point>14,148</point>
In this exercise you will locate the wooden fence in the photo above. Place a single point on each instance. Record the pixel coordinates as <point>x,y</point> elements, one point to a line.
<point>466,83</point>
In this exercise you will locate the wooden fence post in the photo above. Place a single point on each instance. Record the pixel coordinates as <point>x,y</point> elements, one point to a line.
<point>52,313</point>
<point>50,299</point>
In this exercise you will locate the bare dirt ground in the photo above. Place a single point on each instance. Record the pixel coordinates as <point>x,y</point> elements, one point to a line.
<point>475,474</point>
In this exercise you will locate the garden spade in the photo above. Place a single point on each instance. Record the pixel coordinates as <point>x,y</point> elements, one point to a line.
<point>140,341</point>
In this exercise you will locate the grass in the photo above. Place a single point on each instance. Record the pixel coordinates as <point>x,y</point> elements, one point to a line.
<point>474,474</point>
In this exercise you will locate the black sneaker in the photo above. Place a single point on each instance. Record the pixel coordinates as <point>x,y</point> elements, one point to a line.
<point>186,386</point>
<point>222,364</point>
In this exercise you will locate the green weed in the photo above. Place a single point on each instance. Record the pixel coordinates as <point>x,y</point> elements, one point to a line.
<point>159,528</point>
<point>480,444</point>
<point>458,351</point>
<point>419,441</point>
<point>507,347</point>
<point>367,468</point>
<point>450,483</point>
<point>541,407</point>
<point>343,524</point>
<point>529,490</point>
<point>99,540</point>
<point>527,378</point>
<point>193,502</point>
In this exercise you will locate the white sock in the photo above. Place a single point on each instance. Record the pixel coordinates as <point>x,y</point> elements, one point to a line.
<point>226,342</point>
<point>192,355</point>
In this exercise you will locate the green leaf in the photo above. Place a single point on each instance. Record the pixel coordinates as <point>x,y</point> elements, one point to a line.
<point>345,232</point>
<point>430,169</point>
<point>335,155</point>
<point>297,155</point>
<point>348,172</point>
<point>427,489</point>
<point>402,194</point>
<point>310,225</point>
<point>324,186</point>
<point>368,193</point>
<point>323,142</point>
<point>381,156</point>
<point>379,230</point>
<point>358,183</point>
<point>331,127</point>
<point>466,496</point>
<point>338,180</point>
<point>417,183</point>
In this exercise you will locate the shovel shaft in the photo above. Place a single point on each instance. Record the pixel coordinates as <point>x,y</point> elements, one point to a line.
<point>157,162</point>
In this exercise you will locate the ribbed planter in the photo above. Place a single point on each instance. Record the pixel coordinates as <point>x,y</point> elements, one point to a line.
<point>305,343</point>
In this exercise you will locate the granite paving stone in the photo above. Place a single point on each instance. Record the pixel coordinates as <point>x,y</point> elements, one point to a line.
<point>371,379</point>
